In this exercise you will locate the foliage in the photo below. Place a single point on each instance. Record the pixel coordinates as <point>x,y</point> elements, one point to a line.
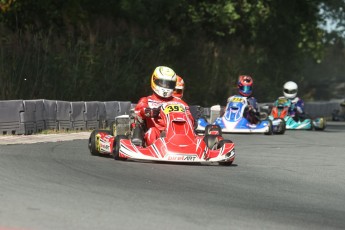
<point>107,50</point>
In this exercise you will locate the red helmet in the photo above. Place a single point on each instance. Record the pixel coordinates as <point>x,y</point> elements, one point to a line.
<point>179,88</point>
<point>245,85</point>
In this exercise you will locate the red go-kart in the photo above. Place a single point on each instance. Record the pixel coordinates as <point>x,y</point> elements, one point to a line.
<point>177,143</point>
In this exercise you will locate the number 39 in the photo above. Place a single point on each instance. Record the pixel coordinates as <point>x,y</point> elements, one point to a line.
<point>174,108</point>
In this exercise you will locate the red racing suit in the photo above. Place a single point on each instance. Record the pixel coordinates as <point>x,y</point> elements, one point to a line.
<point>155,124</point>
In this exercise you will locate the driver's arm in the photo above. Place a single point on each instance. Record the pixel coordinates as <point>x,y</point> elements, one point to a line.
<point>140,108</point>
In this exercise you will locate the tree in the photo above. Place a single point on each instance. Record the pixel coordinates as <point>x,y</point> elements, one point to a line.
<point>107,50</point>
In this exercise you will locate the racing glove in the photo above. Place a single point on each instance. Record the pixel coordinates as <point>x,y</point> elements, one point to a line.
<point>251,109</point>
<point>151,112</point>
<point>299,109</point>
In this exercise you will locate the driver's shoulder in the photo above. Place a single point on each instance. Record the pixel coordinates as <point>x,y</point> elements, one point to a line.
<point>179,101</point>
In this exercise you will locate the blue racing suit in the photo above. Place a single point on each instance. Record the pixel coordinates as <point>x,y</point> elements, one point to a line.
<point>296,110</point>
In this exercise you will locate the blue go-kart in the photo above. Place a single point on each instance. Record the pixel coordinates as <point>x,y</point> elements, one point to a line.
<point>234,120</point>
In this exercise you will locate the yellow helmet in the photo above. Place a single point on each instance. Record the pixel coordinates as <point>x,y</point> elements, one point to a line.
<point>163,81</point>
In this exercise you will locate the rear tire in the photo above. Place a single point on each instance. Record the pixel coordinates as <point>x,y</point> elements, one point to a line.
<point>225,163</point>
<point>211,141</point>
<point>270,129</point>
<point>220,144</point>
<point>117,147</point>
<point>322,127</point>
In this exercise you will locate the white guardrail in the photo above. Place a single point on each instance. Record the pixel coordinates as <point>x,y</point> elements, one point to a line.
<point>27,117</point>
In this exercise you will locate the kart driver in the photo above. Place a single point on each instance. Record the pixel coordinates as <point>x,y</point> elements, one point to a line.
<point>245,89</point>
<point>296,111</point>
<point>163,82</point>
<point>179,88</point>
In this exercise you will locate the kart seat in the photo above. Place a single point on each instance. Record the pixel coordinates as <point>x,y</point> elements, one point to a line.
<point>138,136</point>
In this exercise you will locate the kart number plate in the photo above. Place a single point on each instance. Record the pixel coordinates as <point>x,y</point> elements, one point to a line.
<point>237,99</point>
<point>174,108</point>
<point>282,101</point>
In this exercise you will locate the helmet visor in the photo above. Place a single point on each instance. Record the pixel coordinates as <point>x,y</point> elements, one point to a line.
<point>165,83</point>
<point>245,88</point>
<point>292,91</point>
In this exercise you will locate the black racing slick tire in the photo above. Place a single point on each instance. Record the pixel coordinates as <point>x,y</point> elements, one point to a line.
<point>211,141</point>
<point>225,163</point>
<point>220,144</point>
<point>93,141</point>
<point>117,147</point>
<point>270,130</point>
<point>92,144</point>
<point>282,127</point>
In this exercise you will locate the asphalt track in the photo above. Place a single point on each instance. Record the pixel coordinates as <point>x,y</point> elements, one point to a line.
<point>291,181</point>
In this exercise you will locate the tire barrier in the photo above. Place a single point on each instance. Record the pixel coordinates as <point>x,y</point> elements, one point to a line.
<point>39,115</point>
<point>63,115</point>
<point>114,109</point>
<point>124,108</point>
<point>28,117</point>
<point>18,117</point>
<point>92,115</point>
<point>49,114</point>
<point>322,108</point>
<point>339,114</point>
<point>196,111</point>
<point>11,116</point>
<point>78,122</point>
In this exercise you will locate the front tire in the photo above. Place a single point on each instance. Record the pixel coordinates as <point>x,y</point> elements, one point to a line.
<point>270,129</point>
<point>282,127</point>
<point>117,147</point>
<point>92,143</point>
